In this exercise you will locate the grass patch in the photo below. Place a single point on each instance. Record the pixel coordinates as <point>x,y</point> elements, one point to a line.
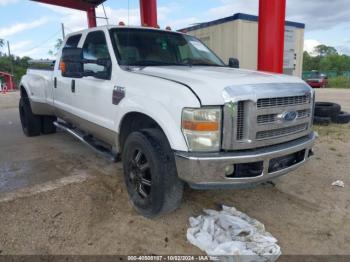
<point>334,132</point>
<point>333,149</point>
<point>339,82</point>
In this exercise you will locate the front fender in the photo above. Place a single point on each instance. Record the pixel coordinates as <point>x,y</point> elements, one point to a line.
<point>168,117</point>
<point>23,84</point>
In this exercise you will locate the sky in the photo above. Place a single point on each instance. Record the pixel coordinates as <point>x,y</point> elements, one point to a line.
<point>33,28</point>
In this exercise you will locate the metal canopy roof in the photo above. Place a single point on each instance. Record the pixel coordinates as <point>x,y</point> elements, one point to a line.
<point>5,74</point>
<point>238,16</point>
<point>82,5</point>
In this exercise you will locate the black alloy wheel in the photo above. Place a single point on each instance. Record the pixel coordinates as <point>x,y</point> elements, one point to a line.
<point>140,174</point>
<point>150,173</point>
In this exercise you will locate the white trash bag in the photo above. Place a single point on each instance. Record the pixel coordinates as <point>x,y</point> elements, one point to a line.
<point>338,183</point>
<point>230,233</point>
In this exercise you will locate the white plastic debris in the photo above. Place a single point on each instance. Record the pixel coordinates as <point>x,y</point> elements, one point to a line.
<point>338,183</point>
<point>231,233</point>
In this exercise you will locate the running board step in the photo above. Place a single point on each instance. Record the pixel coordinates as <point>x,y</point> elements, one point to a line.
<point>88,140</point>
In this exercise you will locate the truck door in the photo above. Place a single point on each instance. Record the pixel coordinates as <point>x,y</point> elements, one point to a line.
<point>62,85</point>
<point>91,99</point>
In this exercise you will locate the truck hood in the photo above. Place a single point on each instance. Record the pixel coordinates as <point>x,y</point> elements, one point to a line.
<point>217,85</point>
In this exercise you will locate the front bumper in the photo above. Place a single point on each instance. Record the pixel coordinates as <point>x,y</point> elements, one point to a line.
<point>207,170</point>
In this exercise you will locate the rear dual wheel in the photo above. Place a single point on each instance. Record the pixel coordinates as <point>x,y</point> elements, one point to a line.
<point>31,124</point>
<point>150,173</point>
<point>34,125</point>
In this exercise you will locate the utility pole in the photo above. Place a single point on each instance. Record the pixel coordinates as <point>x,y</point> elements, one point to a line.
<point>11,64</point>
<point>63,33</point>
<point>8,48</point>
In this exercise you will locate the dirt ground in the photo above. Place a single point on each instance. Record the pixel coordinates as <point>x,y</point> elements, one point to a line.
<point>58,197</point>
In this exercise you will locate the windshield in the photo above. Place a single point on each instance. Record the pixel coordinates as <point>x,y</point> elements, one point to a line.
<point>141,47</point>
<point>315,75</point>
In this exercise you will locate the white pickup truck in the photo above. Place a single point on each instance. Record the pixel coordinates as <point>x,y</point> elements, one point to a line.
<point>172,111</point>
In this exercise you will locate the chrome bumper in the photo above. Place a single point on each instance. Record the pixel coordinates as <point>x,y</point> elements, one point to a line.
<point>207,170</point>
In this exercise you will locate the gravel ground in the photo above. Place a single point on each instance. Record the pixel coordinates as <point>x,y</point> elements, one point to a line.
<point>58,197</point>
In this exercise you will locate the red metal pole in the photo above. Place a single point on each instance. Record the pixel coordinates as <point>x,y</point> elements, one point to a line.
<point>148,9</point>
<point>11,84</point>
<point>91,16</point>
<point>272,15</point>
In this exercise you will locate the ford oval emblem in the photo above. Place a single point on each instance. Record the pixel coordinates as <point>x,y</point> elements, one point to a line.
<point>289,116</point>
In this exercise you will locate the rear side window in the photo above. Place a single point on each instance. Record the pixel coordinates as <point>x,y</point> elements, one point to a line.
<point>73,41</point>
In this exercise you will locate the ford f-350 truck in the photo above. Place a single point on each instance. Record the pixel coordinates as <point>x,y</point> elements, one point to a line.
<point>172,111</point>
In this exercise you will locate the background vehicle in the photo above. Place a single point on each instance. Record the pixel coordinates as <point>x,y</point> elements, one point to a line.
<point>172,111</point>
<point>317,80</point>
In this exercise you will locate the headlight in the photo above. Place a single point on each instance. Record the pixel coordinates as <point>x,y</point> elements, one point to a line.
<point>202,129</point>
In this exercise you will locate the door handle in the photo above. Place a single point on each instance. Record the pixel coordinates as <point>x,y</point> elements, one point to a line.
<point>55,82</point>
<point>73,86</point>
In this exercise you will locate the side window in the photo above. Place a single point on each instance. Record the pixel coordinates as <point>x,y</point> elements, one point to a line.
<point>73,41</point>
<point>95,47</point>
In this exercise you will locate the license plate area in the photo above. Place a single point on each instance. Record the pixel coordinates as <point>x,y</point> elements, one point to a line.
<point>283,162</point>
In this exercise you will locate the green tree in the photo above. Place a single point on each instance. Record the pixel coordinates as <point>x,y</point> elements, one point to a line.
<point>327,60</point>
<point>324,50</point>
<point>311,62</point>
<point>2,43</point>
<point>338,63</point>
<point>57,46</point>
<point>20,66</point>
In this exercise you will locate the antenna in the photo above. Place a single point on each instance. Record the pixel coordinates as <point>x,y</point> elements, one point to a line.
<point>128,12</point>
<point>128,32</point>
<point>104,11</point>
<point>63,32</point>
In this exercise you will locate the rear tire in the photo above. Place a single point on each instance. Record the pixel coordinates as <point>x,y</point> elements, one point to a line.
<point>327,109</point>
<point>31,123</point>
<point>150,173</point>
<point>342,118</point>
<point>47,126</point>
<point>322,121</point>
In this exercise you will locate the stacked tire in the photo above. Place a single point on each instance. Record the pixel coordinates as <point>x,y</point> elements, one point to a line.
<point>327,113</point>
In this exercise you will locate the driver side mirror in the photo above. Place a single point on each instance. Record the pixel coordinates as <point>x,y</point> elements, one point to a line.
<point>72,64</point>
<point>233,63</point>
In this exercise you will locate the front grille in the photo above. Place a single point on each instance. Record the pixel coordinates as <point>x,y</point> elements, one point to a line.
<point>259,123</point>
<point>283,101</point>
<point>304,113</point>
<point>269,134</point>
<point>240,120</point>
<point>267,119</point>
<point>271,118</point>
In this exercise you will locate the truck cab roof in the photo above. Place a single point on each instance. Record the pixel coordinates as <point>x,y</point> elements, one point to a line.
<point>108,27</point>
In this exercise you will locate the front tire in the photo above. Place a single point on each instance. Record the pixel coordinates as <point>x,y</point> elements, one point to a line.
<point>150,173</point>
<point>31,124</point>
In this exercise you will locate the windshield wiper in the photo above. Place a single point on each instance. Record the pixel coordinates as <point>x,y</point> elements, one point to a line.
<point>206,64</point>
<point>194,62</point>
<point>186,62</point>
<point>153,63</point>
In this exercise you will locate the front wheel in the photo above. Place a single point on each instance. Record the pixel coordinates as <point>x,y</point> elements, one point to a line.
<point>150,173</point>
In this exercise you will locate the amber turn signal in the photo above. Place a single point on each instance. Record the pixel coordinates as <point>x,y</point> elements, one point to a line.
<point>200,126</point>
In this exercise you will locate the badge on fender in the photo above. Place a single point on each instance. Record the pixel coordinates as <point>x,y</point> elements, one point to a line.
<point>118,94</point>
